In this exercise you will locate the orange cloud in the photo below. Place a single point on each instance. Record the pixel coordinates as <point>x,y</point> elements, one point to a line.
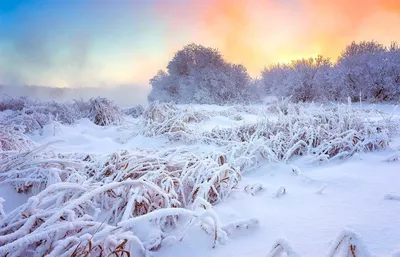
<point>333,24</point>
<point>243,30</point>
<point>260,32</point>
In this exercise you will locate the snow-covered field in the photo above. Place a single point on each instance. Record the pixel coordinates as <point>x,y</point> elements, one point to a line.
<point>219,181</point>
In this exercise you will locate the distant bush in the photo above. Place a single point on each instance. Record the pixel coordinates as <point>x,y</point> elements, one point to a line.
<point>104,112</point>
<point>135,111</point>
<point>34,115</point>
<point>14,104</point>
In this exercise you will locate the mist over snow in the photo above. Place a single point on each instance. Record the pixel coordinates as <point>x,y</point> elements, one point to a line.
<point>123,95</point>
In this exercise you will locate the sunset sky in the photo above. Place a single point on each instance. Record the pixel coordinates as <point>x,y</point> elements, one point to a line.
<point>110,42</point>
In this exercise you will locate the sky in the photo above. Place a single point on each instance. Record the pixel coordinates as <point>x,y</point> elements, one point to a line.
<point>80,43</point>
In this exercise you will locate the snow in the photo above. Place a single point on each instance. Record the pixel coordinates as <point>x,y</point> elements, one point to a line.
<point>11,197</point>
<point>220,122</point>
<point>353,198</point>
<point>84,136</point>
<point>300,205</point>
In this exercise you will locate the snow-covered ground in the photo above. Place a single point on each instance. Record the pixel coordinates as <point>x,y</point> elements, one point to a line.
<point>317,200</point>
<point>352,198</point>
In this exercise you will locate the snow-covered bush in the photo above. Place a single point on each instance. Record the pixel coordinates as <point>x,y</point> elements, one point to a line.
<point>104,112</point>
<point>25,170</point>
<point>348,243</point>
<point>14,104</point>
<point>34,115</point>
<point>282,246</point>
<point>298,130</point>
<point>337,132</point>
<point>82,108</point>
<point>168,119</point>
<point>30,120</point>
<point>183,175</point>
<point>12,138</point>
<point>61,112</point>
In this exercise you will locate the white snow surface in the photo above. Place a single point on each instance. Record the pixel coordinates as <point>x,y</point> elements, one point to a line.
<point>353,198</point>
<point>318,203</point>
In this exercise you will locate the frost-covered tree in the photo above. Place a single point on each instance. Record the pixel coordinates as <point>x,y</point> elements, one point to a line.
<point>164,88</point>
<point>369,71</point>
<point>194,57</point>
<point>239,86</point>
<point>198,74</point>
<point>303,80</point>
<point>309,79</point>
<point>364,47</point>
<point>272,78</point>
<point>364,71</point>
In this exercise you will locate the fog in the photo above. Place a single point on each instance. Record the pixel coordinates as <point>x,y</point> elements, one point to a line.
<point>123,95</point>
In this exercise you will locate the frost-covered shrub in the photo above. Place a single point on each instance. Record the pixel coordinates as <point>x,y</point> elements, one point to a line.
<point>82,108</point>
<point>167,119</point>
<point>12,138</point>
<point>347,243</point>
<point>30,120</point>
<point>158,112</point>
<point>323,133</point>
<point>135,111</point>
<point>14,104</point>
<point>89,205</point>
<point>31,170</point>
<point>280,107</point>
<point>163,118</point>
<point>60,112</point>
<point>34,115</point>
<point>197,176</point>
<point>296,130</point>
<point>282,246</point>
<point>104,112</point>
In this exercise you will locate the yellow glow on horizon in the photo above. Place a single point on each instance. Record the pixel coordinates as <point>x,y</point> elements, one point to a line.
<point>259,33</point>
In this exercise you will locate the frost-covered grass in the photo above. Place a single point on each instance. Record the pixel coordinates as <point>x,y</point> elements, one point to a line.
<point>161,172</point>
<point>162,188</point>
<point>33,115</point>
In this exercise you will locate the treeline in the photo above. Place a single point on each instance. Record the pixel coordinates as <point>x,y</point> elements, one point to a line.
<point>364,71</point>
